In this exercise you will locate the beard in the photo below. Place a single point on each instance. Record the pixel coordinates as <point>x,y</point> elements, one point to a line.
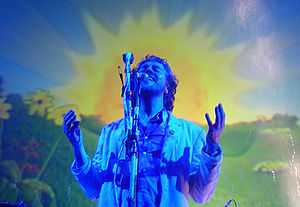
<point>151,89</point>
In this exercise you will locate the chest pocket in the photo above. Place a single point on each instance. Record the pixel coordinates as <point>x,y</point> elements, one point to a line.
<point>176,154</point>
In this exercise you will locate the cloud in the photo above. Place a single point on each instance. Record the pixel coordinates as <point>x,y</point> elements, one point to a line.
<point>261,59</point>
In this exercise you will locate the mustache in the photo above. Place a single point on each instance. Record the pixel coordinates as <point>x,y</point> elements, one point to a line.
<point>145,75</point>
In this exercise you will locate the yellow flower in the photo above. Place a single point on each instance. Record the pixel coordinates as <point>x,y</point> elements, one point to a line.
<point>4,108</point>
<point>56,114</point>
<point>270,166</point>
<point>39,102</point>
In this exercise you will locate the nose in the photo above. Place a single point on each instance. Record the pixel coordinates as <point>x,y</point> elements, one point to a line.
<point>146,72</point>
<point>142,75</point>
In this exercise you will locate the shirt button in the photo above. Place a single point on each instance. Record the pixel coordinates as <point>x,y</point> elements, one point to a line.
<point>146,137</point>
<point>171,132</point>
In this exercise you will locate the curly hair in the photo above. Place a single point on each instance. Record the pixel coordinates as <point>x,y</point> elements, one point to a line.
<point>172,82</point>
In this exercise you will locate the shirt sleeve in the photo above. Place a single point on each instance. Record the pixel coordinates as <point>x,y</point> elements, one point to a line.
<point>205,169</point>
<point>90,176</point>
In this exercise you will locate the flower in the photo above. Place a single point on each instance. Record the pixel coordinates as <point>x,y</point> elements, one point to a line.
<point>56,114</point>
<point>270,166</point>
<point>30,149</point>
<point>4,108</point>
<point>31,169</point>
<point>39,102</point>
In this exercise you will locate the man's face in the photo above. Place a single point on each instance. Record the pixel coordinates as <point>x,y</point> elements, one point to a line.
<point>155,80</point>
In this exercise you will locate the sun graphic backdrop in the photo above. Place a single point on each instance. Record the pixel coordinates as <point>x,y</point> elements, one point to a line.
<point>206,73</point>
<point>56,56</point>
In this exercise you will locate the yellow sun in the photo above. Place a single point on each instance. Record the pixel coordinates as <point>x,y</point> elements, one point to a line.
<point>205,72</point>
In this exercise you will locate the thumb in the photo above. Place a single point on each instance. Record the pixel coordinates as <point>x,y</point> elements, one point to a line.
<point>76,130</point>
<point>76,124</point>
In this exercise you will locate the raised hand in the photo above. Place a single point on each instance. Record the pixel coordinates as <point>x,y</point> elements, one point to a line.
<point>215,130</point>
<point>71,127</point>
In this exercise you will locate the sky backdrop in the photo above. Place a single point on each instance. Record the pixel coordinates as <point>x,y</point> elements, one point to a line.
<point>243,53</point>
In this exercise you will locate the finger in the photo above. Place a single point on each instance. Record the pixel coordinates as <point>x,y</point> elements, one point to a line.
<point>65,129</point>
<point>222,115</point>
<point>217,115</point>
<point>70,121</point>
<point>76,124</point>
<point>76,128</point>
<point>69,118</point>
<point>208,120</point>
<point>68,114</point>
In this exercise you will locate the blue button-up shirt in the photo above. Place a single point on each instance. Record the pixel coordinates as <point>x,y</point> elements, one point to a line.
<point>150,145</point>
<point>185,168</point>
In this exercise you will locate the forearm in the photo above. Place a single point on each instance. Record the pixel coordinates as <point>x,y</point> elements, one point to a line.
<point>86,171</point>
<point>203,184</point>
<point>205,172</point>
<point>88,178</point>
<point>80,155</point>
<point>83,170</point>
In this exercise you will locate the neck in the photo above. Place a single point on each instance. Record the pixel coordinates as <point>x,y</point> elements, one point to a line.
<point>150,105</point>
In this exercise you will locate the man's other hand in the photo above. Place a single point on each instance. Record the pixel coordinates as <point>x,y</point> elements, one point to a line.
<point>215,129</point>
<point>71,127</point>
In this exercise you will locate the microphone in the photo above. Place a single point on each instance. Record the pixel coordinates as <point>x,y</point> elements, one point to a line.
<point>128,58</point>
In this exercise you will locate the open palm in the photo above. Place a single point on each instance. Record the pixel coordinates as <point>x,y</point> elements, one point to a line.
<point>215,129</point>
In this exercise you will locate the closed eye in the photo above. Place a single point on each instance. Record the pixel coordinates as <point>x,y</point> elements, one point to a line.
<point>144,67</point>
<point>155,68</point>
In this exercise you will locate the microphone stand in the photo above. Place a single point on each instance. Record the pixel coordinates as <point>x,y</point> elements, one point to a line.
<point>131,101</point>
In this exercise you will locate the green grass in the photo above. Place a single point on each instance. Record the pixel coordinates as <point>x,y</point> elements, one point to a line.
<point>249,188</point>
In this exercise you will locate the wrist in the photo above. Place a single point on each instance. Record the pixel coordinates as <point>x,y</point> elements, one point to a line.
<point>212,148</point>
<point>77,139</point>
<point>77,145</point>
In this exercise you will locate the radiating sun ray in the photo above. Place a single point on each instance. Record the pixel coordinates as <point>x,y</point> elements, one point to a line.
<point>206,73</point>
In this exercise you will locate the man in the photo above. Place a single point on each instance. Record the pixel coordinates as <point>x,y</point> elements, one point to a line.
<point>177,159</point>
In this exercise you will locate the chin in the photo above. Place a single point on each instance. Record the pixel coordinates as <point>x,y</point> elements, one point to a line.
<point>151,91</point>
